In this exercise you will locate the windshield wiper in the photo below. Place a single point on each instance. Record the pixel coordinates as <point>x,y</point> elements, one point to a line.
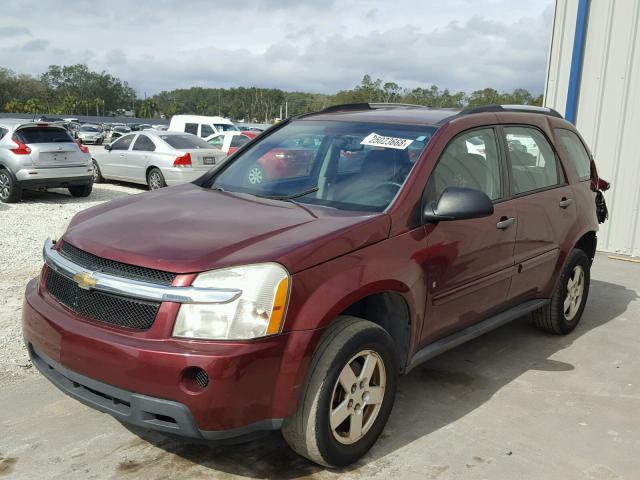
<point>290,197</point>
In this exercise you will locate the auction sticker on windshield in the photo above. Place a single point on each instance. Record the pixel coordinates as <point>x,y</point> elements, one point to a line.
<point>375,140</point>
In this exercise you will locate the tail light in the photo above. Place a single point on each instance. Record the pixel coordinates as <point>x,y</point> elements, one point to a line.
<point>82,148</point>
<point>183,161</point>
<point>21,148</point>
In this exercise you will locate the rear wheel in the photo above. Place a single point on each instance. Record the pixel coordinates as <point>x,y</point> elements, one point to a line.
<point>81,190</point>
<point>564,311</point>
<point>10,192</point>
<point>155,179</point>
<point>348,394</point>
<point>97,175</point>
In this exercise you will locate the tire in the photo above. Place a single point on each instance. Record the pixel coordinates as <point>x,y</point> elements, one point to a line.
<point>155,179</point>
<point>560,318</point>
<point>10,192</point>
<point>97,175</point>
<point>255,175</point>
<point>81,190</point>
<point>309,431</point>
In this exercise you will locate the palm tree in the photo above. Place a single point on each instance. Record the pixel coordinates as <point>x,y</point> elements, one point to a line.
<point>13,106</point>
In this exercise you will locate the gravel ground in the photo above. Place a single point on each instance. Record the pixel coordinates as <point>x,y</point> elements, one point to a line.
<point>23,229</point>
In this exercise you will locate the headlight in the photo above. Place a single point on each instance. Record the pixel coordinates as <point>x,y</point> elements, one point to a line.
<point>60,230</point>
<point>257,312</point>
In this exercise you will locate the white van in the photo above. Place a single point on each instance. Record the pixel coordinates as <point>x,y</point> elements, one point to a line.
<point>200,125</point>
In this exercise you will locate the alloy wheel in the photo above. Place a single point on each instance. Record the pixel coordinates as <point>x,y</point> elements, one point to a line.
<point>5,186</point>
<point>357,397</point>
<point>155,182</point>
<point>575,290</point>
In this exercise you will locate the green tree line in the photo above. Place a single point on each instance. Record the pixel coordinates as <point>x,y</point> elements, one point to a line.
<point>76,90</point>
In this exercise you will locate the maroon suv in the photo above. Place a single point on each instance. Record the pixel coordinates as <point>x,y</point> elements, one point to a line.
<point>222,308</point>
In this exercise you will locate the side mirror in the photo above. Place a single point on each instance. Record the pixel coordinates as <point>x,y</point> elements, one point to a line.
<point>459,203</point>
<point>107,146</point>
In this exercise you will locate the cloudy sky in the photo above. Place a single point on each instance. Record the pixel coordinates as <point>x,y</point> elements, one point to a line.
<point>308,45</point>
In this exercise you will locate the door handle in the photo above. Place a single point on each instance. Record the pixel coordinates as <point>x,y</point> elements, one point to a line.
<point>505,222</point>
<point>565,202</point>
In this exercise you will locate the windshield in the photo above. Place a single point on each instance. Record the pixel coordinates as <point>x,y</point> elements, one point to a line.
<point>345,165</point>
<point>122,129</point>
<point>185,142</point>
<point>89,129</point>
<point>225,127</point>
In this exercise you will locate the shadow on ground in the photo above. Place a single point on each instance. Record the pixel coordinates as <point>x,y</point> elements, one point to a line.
<point>442,391</point>
<point>62,195</point>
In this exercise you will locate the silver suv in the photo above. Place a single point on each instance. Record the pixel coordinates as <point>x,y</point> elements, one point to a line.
<point>41,155</point>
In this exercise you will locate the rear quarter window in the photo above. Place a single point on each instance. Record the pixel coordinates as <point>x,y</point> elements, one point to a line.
<point>31,135</point>
<point>576,152</point>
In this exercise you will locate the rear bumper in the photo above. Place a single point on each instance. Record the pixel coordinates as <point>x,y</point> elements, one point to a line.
<point>136,409</point>
<point>54,177</point>
<point>176,176</point>
<point>252,385</point>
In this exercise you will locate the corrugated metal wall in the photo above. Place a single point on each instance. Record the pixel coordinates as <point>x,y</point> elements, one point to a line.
<point>609,105</point>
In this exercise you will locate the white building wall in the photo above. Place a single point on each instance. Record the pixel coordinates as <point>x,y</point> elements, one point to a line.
<point>608,114</point>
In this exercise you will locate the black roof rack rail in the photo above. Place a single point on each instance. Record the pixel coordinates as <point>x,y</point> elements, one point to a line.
<point>353,107</point>
<point>512,108</point>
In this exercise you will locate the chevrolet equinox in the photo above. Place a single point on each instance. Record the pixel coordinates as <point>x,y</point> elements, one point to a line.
<point>239,303</point>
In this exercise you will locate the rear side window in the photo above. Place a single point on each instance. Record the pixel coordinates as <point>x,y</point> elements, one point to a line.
<point>206,130</point>
<point>184,142</point>
<point>575,151</point>
<point>123,143</point>
<point>239,140</point>
<point>216,142</point>
<point>144,144</point>
<point>534,165</point>
<point>43,135</point>
<point>470,160</point>
<point>191,128</point>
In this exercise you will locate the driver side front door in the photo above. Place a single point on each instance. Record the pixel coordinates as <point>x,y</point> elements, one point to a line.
<point>469,263</point>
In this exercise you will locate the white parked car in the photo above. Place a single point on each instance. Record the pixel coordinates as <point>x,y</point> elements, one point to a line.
<point>200,125</point>
<point>229,142</point>
<point>89,133</point>
<point>155,159</point>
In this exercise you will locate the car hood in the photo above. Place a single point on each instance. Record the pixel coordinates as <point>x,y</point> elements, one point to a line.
<point>188,229</point>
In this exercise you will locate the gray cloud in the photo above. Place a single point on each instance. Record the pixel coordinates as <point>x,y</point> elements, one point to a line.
<point>292,44</point>
<point>9,31</point>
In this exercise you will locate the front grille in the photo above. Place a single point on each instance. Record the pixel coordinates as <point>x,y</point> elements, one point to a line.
<point>100,306</point>
<point>91,262</point>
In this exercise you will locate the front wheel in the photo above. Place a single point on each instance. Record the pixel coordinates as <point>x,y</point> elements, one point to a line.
<point>155,179</point>
<point>348,395</point>
<point>97,175</point>
<point>564,311</point>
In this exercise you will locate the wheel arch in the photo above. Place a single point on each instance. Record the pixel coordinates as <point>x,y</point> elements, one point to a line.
<point>588,243</point>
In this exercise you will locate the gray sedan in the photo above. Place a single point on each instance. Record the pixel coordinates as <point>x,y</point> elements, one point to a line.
<point>155,159</point>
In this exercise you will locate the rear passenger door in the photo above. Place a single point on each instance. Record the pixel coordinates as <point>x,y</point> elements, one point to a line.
<point>545,208</point>
<point>469,262</point>
<point>139,157</point>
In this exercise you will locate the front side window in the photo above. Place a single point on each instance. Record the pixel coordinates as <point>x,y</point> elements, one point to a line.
<point>345,165</point>
<point>206,130</point>
<point>122,143</point>
<point>191,128</point>
<point>576,152</point>
<point>533,162</point>
<point>238,140</point>
<point>470,160</point>
<point>216,142</point>
<point>144,144</point>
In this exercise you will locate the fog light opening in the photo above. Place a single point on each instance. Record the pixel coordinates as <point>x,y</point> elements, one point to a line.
<point>195,379</point>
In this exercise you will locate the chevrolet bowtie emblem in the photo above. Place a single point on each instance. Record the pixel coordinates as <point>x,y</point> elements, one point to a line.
<point>85,280</point>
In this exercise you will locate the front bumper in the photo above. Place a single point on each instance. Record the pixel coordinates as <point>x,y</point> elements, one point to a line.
<point>252,385</point>
<point>136,409</point>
